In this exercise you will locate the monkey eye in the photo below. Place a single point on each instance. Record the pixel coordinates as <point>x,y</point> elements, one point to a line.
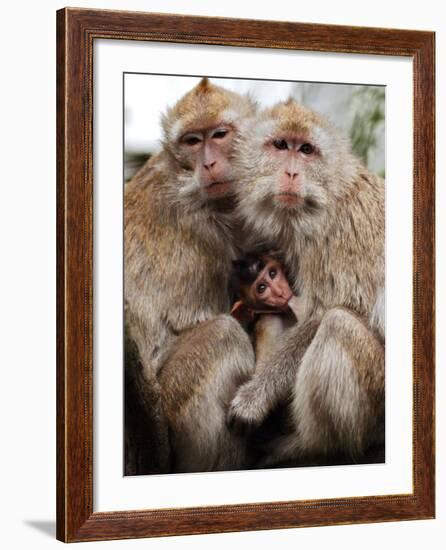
<point>261,288</point>
<point>280,144</point>
<point>307,148</point>
<point>272,273</point>
<point>220,134</point>
<point>191,140</point>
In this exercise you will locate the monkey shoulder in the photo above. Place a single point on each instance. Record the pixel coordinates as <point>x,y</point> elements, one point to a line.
<point>371,195</point>
<point>147,181</point>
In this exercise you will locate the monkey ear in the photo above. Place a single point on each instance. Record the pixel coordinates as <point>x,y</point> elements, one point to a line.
<point>203,85</point>
<point>242,312</point>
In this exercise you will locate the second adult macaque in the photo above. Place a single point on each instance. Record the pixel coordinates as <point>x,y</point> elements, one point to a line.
<point>302,190</point>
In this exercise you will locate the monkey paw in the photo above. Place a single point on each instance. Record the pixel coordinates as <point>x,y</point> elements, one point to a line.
<point>245,413</point>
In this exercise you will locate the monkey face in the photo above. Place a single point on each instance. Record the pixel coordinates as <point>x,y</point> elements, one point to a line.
<point>270,290</point>
<point>292,154</point>
<point>199,134</point>
<point>293,164</point>
<point>208,154</point>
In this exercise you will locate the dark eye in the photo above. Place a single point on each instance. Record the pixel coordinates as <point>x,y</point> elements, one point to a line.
<point>306,148</point>
<point>220,134</point>
<point>191,140</point>
<point>280,144</point>
<point>272,273</point>
<point>261,288</point>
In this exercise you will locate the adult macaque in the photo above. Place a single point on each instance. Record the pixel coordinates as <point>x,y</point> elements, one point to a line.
<point>178,253</point>
<point>303,190</point>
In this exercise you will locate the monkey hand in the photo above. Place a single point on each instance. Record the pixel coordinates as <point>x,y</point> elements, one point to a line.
<point>247,410</point>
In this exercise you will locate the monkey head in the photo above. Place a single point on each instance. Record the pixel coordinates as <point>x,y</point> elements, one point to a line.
<point>200,134</point>
<point>261,285</point>
<point>292,164</point>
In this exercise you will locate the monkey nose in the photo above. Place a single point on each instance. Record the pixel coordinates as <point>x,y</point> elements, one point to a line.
<point>292,175</point>
<point>209,165</point>
<point>279,293</point>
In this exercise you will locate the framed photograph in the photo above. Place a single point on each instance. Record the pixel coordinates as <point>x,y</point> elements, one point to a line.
<point>245,275</point>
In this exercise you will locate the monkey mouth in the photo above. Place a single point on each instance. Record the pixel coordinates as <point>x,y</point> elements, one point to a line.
<point>286,302</point>
<point>218,188</point>
<point>217,183</point>
<point>280,304</point>
<point>289,198</point>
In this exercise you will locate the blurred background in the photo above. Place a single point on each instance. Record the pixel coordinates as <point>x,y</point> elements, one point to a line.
<point>357,110</point>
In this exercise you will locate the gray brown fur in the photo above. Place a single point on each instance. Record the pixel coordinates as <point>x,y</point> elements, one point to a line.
<point>199,379</point>
<point>333,245</point>
<point>267,332</point>
<point>178,253</point>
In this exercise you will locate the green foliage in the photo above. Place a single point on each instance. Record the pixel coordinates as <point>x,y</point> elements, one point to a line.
<point>369,115</point>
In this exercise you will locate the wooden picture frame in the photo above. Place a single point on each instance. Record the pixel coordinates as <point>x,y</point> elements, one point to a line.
<point>76,31</point>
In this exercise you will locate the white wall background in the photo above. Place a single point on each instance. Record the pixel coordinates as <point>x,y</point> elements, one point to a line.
<point>27,218</point>
<point>147,96</point>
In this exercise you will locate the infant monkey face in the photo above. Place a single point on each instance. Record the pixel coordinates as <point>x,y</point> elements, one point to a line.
<point>271,288</point>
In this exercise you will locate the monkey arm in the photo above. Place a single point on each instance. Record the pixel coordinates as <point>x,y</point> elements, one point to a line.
<point>242,312</point>
<point>267,330</point>
<point>206,365</point>
<point>338,399</point>
<point>273,378</point>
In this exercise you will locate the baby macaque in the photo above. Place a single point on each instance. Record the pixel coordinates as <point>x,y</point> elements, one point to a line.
<point>265,304</point>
